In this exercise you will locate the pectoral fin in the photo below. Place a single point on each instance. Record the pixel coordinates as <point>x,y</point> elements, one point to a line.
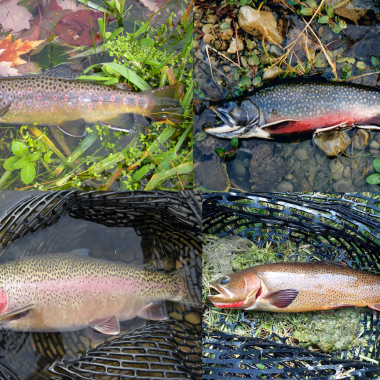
<point>15,314</point>
<point>155,312</point>
<point>375,306</point>
<point>109,325</point>
<point>125,122</point>
<point>281,298</point>
<point>75,128</point>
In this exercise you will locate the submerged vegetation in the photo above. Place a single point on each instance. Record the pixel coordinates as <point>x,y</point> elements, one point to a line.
<point>156,54</point>
<point>335,331</point>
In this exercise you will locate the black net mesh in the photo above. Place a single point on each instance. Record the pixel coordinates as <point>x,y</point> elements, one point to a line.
<point>336,227</point>
<point>161,349</point>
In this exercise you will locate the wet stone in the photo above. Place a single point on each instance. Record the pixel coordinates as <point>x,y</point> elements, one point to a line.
<point>211,176</point>
<point>193,318</point>
<point>238,168</point>
<point>374,145</point>
<point>301,154</point>
<point>332,143</point>
<point>336,168</point>
<point>285,186</point>
<point>361,139</point>
<point>342,185</point>
<point>347,172</point>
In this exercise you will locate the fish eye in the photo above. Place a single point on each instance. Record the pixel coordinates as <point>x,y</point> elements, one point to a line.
<point>224,280</point>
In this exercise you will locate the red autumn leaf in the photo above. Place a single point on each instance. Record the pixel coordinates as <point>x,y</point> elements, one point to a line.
<point>12,51</point>
<point>75,27</point>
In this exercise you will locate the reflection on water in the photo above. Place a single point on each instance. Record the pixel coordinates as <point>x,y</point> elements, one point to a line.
<point>267,165</point>
<point>144,239</point>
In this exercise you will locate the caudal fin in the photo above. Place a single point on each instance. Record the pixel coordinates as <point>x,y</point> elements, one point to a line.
<point>167,103</point>
<point>190,285</point>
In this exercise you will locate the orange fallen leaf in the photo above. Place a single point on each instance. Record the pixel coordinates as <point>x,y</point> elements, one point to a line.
<point>15,49</point>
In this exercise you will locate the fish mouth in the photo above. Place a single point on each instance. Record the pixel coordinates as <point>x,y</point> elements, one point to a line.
<point>220,295</point>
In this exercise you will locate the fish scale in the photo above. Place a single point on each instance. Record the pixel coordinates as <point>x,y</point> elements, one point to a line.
<point>296,107</point>
<point>68,292</point>
<point>54,101</point>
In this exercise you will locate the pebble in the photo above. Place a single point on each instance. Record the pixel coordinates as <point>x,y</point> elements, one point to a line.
<point>211,18</point>
<point>193,318</point>
<point>239,168</point>
<point>361,139</point>
<point>336,168</point>
<point>332,143</point>
<point>233,48</point>
<point>342,185</point>
<point>285,186</point>
<point>272,73</point>
<point>289,177</point>
<point>198,55</point>
<point>374,145</point>
<point>347,172</point>
<point>301,154</point>
<point>244,62</point>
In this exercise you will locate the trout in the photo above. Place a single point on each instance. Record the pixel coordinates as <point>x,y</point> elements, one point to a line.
<point>297,287</point>
<point>296,107</point>
<point>72,291</point>
<point>69,104</point>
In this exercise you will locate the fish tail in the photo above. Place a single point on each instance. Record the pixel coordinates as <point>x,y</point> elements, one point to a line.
<point>167,103</point>
<point>189,279</point>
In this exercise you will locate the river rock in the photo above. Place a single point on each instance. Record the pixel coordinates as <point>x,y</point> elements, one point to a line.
<point>361,139</point>
<point>347,172</point>
<point>284,187</point>
<point>301,154</point>
<point>259,24</point>
<point>272,73</point>
<point>233,48</point>
<point>374,145</point>
<point>210,175</point>
<point>343,185</point>
<point>238,168</point>
<point>332,143</point>
<point>336,168</point>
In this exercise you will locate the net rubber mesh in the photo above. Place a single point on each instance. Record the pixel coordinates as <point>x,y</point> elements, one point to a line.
<point>160,349</point>
<point>338,227</point>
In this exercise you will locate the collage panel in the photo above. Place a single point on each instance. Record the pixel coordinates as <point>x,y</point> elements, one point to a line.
<point>100,285</point>
<point>291,285</point>
<point>96,95</point>
<point>286,95</point>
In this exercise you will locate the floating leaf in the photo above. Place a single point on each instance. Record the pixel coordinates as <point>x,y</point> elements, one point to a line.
<point>234,143</point>
<point>336,29</point>
<point>330,12</point>
<point>8,164</point>
<point>376,164</point>
<point>319,63</point>
<point>351,60</point>
<point>14,17</point>
<point>373,179</point>
<point>221,152</point>
<point>19,148</point>
<point>257,80</point>
<point>361,65</point>
<point>311,3</point>
<point>374,61</point>
<point>324,19</point>
<point>307,11</point>
<point>28,173</point>
<point>12,51</point>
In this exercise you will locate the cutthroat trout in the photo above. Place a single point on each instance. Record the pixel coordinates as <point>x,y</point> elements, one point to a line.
<point>297,107</point>
<point>68,104</point>
<point>297,287</point>
<point>71,291</point>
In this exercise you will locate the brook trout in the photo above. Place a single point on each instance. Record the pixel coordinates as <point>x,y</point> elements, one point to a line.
<point>52,100</point>
<point>297,107</point>
<point>71,291</point>
<point>297,287</point>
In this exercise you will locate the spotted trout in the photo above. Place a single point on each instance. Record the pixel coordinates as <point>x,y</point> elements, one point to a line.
<point>297,107</point>
<point>72,291</point>
<point>52,100</point>
<point>297,287</point>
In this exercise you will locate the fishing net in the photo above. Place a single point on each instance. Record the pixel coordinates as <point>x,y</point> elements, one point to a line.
<point>338,227</point>
<point>170,226</point>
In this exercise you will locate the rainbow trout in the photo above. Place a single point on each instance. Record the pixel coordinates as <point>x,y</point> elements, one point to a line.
<point>297,287</point>
<point>71,291</point>
<point>50,99</point>
<point>297,107</point>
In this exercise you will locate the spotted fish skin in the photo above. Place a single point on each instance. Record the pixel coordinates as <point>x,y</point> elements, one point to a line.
<point>52,101</point>
<point>298,107</point>
<point>297,287</point>
<point>68,292</point>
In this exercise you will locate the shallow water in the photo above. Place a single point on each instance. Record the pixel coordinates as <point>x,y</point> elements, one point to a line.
<point>143,239</point>
<point>265,165</point>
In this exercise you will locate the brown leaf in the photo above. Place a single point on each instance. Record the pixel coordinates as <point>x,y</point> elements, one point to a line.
<point>6,70</point>
<point>14,17</point>
<point>15,49</point>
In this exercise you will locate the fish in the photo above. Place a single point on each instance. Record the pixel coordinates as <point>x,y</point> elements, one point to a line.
<point>297,107</point>
<point>297,287</point>
<point>73,291</point>
<point>56,99</point>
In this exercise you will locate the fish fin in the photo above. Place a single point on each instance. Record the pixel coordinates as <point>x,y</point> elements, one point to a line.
<point>154,311</point>
<point>81,251</point>
<point>5,109</point>
<point>375,306</point>
<point>121,86</point>
<point>342,306</point>
<point>281,298</point>
<point>331,262</point>
<point>372,121</point>
<point>109,325</point>
<point>75,128</point>
<point>15,314</point>
<point>189,279</point>
<point>63,70</point>
<point>167,103</point>
<point>125,122</point>
<point>150,267</point>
